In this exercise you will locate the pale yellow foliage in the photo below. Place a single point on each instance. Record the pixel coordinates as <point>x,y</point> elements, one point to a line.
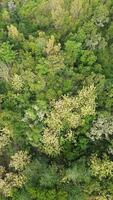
<point>101,168</point>
<point>4,71</point>
<point>101,198</point>
<point>17,82</point>
<point>16,178</point>
<point>2,171</point>
<point>69,111</point>
<point>51,142</point>
<point>55,62</point>
<point>57,12</point>
<point>86,100</point>
<point>54,57</point>
<point>52,48</point>
<point>5,137</point>
<point>10,181</point>
<point>19,160</point>
<point>5,15</point>
<point>27,76</point>
<point>78,7</point>
<point>13,32</point>
<point>13,177</point>
<point>69,136</point>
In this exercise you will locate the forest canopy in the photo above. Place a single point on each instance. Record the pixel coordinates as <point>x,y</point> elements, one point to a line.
<point>56,100</point>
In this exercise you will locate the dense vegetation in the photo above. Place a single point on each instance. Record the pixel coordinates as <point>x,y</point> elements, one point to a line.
<point>56,100</point>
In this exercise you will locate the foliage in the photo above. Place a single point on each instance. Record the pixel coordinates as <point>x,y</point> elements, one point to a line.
<point>7,55</point>
<point>101,168</point>
<point>56,99</point>
<point>102,128</point>
<point>69,113</point>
